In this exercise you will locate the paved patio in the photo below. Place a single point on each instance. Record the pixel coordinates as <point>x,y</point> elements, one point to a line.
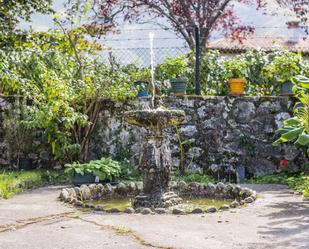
<point>37,220</point>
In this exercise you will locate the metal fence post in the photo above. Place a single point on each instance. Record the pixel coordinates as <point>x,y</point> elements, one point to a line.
<point>197,61</point>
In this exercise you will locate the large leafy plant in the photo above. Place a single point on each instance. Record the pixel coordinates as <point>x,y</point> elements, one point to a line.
<point>296,129</point>
<point>105,168</point>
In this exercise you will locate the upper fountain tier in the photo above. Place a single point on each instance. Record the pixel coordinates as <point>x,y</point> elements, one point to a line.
<point>155,119</point>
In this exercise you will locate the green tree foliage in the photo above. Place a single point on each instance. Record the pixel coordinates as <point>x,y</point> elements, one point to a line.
<point>13,11</point>
<point>62,103</point>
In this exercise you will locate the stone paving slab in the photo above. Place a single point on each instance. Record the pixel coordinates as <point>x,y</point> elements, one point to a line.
<point>277,220</point>
<point>65,234</point>
<point>32,204</point>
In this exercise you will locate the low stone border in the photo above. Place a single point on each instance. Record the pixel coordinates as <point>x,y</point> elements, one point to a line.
<point>78,196</point>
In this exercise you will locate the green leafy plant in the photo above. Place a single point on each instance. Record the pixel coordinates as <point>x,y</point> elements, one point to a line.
<point>213,73</point>
<point>18,138</point>
<point>172,68</point>
<point>192,176</point>
<point>129,172</point>
<point>105,168</point>
<point>296,129</point>
<point>236,68</point>
<point>142,74</point>
<point>285,66</point>
<point>258,83</point>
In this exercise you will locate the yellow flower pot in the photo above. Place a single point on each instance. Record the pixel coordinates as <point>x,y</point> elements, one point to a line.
<point>237,86</point>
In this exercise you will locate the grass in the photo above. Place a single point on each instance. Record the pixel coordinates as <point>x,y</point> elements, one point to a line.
<point>14,182</point>
<point>299,182</point>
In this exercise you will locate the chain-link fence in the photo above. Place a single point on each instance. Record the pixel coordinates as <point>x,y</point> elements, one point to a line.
<point>141,56</point>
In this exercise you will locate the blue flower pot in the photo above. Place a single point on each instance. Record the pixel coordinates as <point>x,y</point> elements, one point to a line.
<point>286,89</point>
<point>142,88</point>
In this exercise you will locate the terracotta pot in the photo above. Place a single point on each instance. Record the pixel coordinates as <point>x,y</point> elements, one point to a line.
<point>237,86</point>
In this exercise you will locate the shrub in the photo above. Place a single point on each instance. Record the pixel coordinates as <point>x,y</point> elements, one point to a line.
<point>236,67</point>
<point>105,168</point>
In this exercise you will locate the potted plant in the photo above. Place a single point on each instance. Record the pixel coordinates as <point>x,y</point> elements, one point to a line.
<point>142,78</point>
<point>175,70</point>
<point>284,67</point>
<point>18,137</point>
<point>103,170</point>
<point>236,72</point>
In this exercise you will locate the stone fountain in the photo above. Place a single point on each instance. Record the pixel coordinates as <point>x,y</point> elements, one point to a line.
<point>155,161</point>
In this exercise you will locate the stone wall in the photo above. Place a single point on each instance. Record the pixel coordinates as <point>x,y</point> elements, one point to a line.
<point>219,133</point>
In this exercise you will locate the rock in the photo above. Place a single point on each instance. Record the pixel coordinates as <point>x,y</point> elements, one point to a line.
<point>220,186</point>
<point>85,193</point>
<point>64,195</point>
<point>242,202</point>
<point>197,210</point>
<point>224,207</point>
<point>114,210</point>
<point>177,210</point>
<point>249,199</point>
<point>211,209</point>
<point>78,204</point>
<point>254,195</point>
<point>188,131</point>
<point>86,205</point>
<point>194,186</point>
<point>160,210</point>
<point>138,210</point>
<point>121,188</point>
<point>131,187</point>
<point>93,190</point>
<point>91,206</point>
<point>108,190</point>
<point>182,185</point>
<point>139,186</point>
<point>73,200</point>
<point>98,208</point>
<point>172,185</point>
<point>234,204</point>
<point>129,210</point>
<point>146,211</point>
<point>244,112</point>
<point>72,192</point>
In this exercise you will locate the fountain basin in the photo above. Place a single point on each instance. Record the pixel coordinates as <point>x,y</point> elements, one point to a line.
<point>197,196</point>
<point>155,118</point>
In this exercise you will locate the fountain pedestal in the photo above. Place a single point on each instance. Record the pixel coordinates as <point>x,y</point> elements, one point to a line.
<point>155,161</point>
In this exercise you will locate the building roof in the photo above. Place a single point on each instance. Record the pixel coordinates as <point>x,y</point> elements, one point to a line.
<point>269,43</point>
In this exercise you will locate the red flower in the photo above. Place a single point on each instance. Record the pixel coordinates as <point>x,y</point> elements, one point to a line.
<point>283,164</point>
